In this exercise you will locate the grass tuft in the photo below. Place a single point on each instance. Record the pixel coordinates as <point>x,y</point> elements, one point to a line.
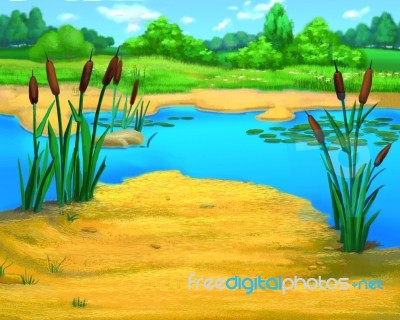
<point>78,303</point>
<point>55,266</point>
<point>28,279</point>
<point>3,267</point>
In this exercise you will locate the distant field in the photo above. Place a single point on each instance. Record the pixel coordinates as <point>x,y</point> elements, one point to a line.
<point>384,59</point>
<point>169,76</point>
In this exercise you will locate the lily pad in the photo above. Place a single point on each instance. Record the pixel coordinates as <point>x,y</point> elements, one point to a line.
<point>384,119</point>
<point>187,118</point>
<point>300,127</point>
<point>267,135</point>
<point>290,141</point>
<point>103,119</point>
<point>313,143</point>
<point>332,148</point>
<point>254,131</point>
<point>173,118</point>
<point>369,130</point>
<point>272,140</point>
<point>163,124</point>
<point>278,128</point>
<point>148,121</point>
<point>395,127</point>
<point>380,143</point>
<point>386,134</point>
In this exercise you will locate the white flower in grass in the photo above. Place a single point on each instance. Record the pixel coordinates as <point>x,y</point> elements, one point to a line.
<point>389,74</point>
<point>218,76</point>
<point>225,79</point>
<point>241,77</point>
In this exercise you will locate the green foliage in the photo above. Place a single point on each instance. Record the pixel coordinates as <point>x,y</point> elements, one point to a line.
<point>36,25</point>
<point>16,29</point>
<point>66,43</point>
<point>363,35</point>
<point>3,268</point>
<point>278,29</point>
<point>166,39</point>
<point>230,42</point>
<point>99,42</point>
<point>259,54</point>
<point>78,303</point>
<point>386,32</point>
<point>4,20</point>
<point>348,57</point>
<point>28,279</point>
<point>55,266</point>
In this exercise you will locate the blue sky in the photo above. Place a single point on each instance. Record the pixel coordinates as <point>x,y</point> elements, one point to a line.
<point>204,19</point>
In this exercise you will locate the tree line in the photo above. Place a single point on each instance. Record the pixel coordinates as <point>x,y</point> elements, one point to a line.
<point>382,32</point>
<point>20,29</point>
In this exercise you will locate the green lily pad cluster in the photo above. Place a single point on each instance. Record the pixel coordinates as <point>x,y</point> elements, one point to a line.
<point>303,133</point>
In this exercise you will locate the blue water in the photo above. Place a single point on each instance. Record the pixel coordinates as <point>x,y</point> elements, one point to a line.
<point>215,145</point>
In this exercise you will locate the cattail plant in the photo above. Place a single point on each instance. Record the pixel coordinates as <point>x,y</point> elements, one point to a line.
<point>115,105</point>
<point>40,173</point>
<point>139,112</point>
<point>351,198</point>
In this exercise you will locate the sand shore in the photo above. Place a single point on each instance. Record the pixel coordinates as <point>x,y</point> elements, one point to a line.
<point>134,246</point>
<point>278,105</point>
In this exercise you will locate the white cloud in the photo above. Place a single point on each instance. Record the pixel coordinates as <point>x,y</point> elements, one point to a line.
<point>247,3</point>
<point>258,11</point>
<point>356,14</point>
<point>187,20</point>
<point>234,8</point>
<point>222,25</point>
<point>67,17</point>
<point>131,14</point>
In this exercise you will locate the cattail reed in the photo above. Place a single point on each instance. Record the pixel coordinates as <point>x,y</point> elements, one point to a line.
<point>118,72</point>
<point>134,91</point>
<point>111,69</point>
<point>316,128</point>
<point>339,84</point>
<point>86,74</point>
<point>366,86</point>
<point>33,90</point>
<point>52,77</point>
<point>382,155</point>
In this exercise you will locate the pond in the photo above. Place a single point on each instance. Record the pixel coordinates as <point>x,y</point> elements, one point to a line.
<point>214,145</point>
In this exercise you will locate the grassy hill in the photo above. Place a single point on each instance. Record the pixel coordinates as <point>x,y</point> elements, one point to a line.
<point>384,59</point>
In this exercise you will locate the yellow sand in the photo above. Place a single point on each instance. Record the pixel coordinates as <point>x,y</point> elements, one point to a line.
<point>278,105</point>
<point>134,246</point>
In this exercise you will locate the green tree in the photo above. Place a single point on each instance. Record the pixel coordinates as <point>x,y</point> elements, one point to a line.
<point>315,43</point>
<point>215,44</point>
<point>16,30</point>
<point>374,28</point>
<point>4,20</point>
<point>363,35</point>
<point>350,37</point>
<point>278,29</point>
<point>230,42</point>
<point>398,36</point>
<point>259,54</point>
<point>166,39</point>
<point>36,25</point>
<point>386,32</point>
<point>98,41</point>
<point>66,43</point>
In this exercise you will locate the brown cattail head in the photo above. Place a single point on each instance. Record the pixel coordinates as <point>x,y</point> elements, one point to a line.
<point>316,128</point>
<point>52,77</point>
<point>366,86</point>
<point>33,90</point>
<point>339,85</point>
<point>111,69</point>
<point>86,73</point>
<point>118,72</point>
<point>135,89</point>
<point>382,155</point>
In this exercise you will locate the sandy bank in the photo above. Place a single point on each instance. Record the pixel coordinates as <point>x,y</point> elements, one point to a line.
<point>278,105</point>
<point>134,246</point>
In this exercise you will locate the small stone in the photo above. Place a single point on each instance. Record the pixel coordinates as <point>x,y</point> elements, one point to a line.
<point>207,205</point>
<point>320,263</point>
<point>329,248</point>
<point>155,246</point>
<point>313,267</point>
<point>89,229</point>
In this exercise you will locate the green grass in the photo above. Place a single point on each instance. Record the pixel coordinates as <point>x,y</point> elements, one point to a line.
<point>28,279</point>
<point>14,53</point>
<point>168,76</point>
<point>78,303</point>
<point>3,267</point>
<point>384,59</point>
<point>55,266</point>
